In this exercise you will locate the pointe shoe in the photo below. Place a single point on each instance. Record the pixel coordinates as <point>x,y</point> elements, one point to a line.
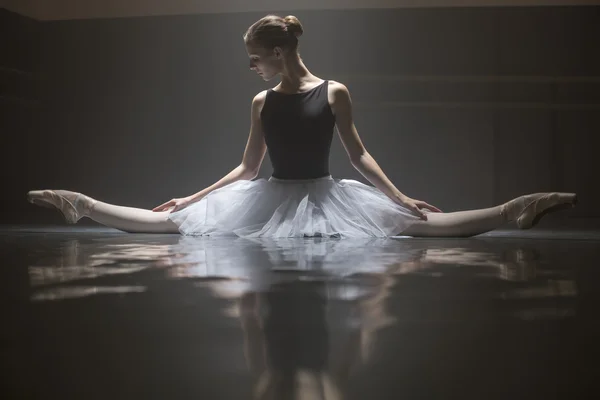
<point>529,209</point>
<point>72,205</point>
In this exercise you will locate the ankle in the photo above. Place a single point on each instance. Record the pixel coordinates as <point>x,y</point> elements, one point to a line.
<point>87,204</point>
<point>511,210</point>
<point>503,212</point>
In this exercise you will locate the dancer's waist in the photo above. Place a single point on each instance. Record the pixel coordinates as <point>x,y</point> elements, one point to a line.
<point>322,178</point>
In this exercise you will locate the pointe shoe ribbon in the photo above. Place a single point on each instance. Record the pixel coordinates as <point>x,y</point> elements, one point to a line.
<point>529,209</point>
<point>68,203</point>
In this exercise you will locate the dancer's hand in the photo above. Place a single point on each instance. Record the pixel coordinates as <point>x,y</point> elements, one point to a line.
<point>174,204</point>
<point>417,205</point>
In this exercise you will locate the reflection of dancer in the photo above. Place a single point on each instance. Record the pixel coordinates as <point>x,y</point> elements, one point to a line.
<point>294,121</point>
<point>288,349</point>
<point>291,345</point>
<point>299,338</point>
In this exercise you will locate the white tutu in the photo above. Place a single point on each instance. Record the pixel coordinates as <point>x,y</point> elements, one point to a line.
<point>275,208</point>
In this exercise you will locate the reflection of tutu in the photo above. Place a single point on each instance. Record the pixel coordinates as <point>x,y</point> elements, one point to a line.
<point>294,208</point>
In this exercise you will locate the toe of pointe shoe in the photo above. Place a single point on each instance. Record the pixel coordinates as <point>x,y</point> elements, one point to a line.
<point>32,194</point>
<point>39,197</point>
<point>52,199</point>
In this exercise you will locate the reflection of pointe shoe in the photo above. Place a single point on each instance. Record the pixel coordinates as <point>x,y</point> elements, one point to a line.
<point>529,209</point>
<point>522,264</point>
<point>72,205</point>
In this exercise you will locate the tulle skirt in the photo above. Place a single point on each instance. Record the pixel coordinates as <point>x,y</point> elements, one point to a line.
<point>276,208</point>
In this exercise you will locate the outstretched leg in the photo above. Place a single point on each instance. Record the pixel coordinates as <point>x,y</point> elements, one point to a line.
<point>525,210</point>
<point>457,224</point>
<point>131,219</point>
<point>75,206</point>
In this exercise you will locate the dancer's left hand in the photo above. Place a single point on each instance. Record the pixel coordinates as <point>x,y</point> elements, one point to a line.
<point>417,205</point>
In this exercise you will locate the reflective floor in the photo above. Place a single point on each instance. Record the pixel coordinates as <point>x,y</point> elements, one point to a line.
<point>96,314</point>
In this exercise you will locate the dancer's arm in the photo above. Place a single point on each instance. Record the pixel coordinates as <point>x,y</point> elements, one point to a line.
<point>360,157</point>
<point>248,168</point>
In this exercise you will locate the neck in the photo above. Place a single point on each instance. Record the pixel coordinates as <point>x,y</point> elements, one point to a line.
<point>295,73</point>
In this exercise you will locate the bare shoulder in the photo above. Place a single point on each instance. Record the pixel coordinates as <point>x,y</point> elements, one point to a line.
<point>337,88</point>
<point>258,101</point>
<point>338,96</point>
<point>260,97</point>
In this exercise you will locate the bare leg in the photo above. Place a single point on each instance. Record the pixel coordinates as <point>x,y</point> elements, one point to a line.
<point>525,210</point>
<point>131,219</point>
<point>75,206</point>
<point>458,224</point>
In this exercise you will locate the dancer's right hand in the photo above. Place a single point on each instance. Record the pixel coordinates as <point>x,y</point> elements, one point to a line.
<point>174,204</point>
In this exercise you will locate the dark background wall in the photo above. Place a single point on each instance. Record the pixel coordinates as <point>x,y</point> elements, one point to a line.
<point>462,107</point>
<point>19,106</point>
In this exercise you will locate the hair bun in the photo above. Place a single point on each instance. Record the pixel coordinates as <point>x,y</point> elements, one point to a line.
<point>294,26</point>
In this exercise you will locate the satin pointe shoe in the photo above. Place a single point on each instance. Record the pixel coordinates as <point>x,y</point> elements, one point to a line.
<point>528,210</point>
<point>72,205</point>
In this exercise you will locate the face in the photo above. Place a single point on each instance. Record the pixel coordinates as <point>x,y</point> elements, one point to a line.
<point>266,63</point>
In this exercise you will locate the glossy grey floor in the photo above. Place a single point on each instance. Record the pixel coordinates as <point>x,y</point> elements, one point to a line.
<point>92,313</point>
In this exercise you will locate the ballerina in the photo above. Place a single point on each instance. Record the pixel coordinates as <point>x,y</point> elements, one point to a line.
<point>294,121</point>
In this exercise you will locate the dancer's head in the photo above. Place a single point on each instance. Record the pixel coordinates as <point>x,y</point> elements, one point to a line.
<point>270,41</point>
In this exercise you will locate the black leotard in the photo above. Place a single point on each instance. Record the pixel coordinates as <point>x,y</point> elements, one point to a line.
<point>298,129</point>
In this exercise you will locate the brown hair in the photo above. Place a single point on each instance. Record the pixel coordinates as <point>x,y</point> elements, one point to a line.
<point>272,31</point>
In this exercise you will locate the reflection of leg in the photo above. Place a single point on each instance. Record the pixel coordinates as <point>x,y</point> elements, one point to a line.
<point>525,210</point>
<point>518,264</point>
<point>75,206</point>
<point>254,349</point>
